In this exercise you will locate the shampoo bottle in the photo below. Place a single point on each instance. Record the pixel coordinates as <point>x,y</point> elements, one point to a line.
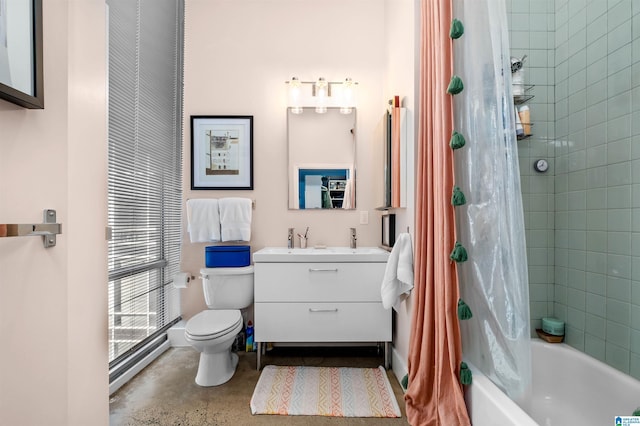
<point>519,129</point>
<point>525,118</point>
<point>249,338</point>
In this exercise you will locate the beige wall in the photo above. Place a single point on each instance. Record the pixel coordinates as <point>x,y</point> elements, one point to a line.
<point>53,366</point>
<point>238,56</point>
<point>56,158</point>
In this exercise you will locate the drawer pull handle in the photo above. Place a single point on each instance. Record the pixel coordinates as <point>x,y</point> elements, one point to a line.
<point>323,270</point>
<point>323,310</point>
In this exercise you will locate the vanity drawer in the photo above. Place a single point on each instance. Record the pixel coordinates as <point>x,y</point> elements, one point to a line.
<point>318,282</point>
<point>322,322</point>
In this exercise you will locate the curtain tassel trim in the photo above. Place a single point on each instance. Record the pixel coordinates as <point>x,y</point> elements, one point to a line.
<point>464,311</point>
<point>465,374</point>
<point>405,382</point>
<point>455,85</point>
<point>457,140</point>
<point>459,253</point>
<point>457,197</point>
<point>457,29</point>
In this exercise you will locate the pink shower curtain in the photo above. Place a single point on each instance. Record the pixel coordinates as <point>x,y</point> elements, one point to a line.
<point>434,395</point>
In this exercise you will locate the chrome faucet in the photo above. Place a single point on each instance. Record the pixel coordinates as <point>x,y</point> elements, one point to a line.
<point>290,238</point>
<point>353,238</point>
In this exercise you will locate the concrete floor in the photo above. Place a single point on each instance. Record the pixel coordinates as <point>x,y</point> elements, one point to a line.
<point>165,393</point>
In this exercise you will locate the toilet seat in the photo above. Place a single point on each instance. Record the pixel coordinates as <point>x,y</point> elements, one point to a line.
<point>211,324</point>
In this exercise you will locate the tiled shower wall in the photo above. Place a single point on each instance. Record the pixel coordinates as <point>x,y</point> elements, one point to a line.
<point>592,140</point>
<point>597,290</point>
<point>532,27</point>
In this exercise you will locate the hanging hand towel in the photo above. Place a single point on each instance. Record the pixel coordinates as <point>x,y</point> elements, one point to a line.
<point>347,197</point>
<point>398,276</point>
<point>235,219</point>
<point>203,219</point>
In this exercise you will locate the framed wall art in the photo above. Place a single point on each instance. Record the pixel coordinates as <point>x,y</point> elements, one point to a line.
<point>21,68</point>
<point>221,152</point>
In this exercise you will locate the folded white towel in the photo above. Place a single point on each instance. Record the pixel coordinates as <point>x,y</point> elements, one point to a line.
<point>398,276</point>
<point>235,219</point>
<point>203,220</point>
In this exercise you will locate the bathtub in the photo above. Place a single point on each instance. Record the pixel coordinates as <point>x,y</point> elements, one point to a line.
<point>569,388</point>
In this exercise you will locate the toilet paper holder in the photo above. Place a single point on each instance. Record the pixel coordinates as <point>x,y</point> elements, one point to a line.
<point>182,279</point>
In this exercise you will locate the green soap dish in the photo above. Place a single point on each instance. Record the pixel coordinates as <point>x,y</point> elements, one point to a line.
<point>553,326</point>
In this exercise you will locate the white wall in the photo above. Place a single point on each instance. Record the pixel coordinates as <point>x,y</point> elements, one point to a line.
<point>238,56</point>
<point>53,366</point>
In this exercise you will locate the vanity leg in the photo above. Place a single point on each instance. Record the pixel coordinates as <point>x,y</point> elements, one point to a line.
<point>258,356</point>
<point>387,355</point>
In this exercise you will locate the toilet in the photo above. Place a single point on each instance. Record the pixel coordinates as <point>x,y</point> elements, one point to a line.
<point>213,331</point>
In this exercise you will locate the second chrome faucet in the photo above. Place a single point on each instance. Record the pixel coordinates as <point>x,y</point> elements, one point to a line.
<point>352,233</point>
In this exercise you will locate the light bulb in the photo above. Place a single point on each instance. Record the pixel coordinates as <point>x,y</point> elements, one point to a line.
<point>295,95</point>
<point>322,88</point>
<point>348,96</point>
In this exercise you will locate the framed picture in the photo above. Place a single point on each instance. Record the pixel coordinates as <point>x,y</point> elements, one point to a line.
<point>221,152</point>
<point>21,80</point>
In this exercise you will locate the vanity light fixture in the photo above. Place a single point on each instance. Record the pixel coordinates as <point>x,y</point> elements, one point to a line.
<point>321,95</point>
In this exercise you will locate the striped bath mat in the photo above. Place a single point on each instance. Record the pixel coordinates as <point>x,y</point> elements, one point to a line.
<point>324,391</point>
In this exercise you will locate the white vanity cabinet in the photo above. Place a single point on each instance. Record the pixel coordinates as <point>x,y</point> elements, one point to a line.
<point>307,301</point>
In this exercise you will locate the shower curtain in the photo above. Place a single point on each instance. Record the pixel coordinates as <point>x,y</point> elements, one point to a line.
<point>494,281</point>
<point>434,394</point>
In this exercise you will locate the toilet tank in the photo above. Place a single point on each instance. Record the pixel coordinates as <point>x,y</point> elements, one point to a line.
<point>228,288</point>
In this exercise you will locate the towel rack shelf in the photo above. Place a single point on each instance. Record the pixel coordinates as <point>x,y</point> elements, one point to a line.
<point>253,203</point>
<point>47,230</point>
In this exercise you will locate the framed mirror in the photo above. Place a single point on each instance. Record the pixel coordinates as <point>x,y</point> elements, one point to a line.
<point>21,65</point>
<point>322,158</point>
<point>395,159</point>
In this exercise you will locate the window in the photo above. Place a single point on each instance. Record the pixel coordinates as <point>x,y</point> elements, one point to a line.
<point>145,170</point>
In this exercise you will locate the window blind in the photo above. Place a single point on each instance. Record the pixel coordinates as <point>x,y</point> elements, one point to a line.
<point>145,169</point>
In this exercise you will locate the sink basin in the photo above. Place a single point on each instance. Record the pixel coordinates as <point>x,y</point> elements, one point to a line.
<point>328,254</point>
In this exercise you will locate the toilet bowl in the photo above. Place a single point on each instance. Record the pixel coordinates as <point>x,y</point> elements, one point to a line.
<point>213,331</point>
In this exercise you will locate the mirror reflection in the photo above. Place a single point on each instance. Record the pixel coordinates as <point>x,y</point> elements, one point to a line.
<point>322,154</point>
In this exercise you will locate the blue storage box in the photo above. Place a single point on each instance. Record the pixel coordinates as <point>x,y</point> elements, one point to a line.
<point>227,256</point>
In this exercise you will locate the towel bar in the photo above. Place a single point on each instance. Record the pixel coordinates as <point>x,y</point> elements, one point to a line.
<point>47,230</point>
<point>253,203</point>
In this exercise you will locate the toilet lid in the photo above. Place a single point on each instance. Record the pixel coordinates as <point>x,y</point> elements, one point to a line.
<point>211,323</point>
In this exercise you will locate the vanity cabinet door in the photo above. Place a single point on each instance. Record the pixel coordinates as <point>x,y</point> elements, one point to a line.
<point>322,322</point>
<point>318,282</point>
